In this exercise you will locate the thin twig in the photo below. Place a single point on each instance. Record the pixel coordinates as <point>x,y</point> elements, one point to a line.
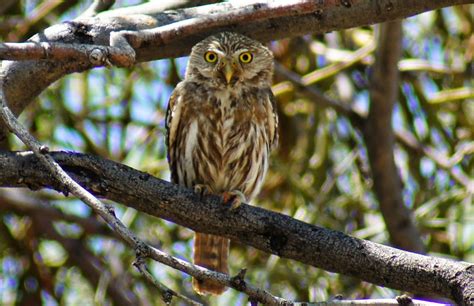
<point>166,293</point>
<point>68,183</point>
<point>107,213</point>
<point>96,7</point>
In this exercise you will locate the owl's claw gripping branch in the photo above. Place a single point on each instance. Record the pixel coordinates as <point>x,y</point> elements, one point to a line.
<point>233,199</point>
<point>202,190</point>
<point>221,125</point>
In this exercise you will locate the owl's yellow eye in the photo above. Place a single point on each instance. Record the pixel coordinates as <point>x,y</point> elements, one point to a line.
<point>210,57</point>
<point>245,57</point>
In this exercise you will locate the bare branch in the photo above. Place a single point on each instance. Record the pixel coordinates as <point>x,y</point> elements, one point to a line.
<point>329,16</point>
<point>265,230</point>
<point>67,184</point>
<point>168,34</point>
<point>166,293</point>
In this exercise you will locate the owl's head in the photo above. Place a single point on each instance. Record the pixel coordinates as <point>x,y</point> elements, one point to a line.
<point>230,60</point>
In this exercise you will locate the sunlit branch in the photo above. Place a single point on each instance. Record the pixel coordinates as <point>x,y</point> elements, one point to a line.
<point>65,184</point>
<point>265,230</point>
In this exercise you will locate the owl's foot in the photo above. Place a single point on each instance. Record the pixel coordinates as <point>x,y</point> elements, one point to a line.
<point>202,190</point>
<point>233,198</point>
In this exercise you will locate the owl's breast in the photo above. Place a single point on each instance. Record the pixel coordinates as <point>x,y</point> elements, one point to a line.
<point>226,145</point>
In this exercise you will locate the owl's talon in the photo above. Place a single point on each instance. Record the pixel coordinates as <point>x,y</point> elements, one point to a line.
<point>233,198</point>
<point>202,190</point>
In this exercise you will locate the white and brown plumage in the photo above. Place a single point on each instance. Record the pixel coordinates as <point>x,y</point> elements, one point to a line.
<point>222,125</point>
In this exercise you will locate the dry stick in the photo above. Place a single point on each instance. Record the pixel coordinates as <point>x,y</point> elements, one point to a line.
<point>166,292</point>
<point>252,13</point>
<point>142,250</point>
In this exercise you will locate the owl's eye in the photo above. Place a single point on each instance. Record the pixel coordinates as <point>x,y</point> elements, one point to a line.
<point>245,57</point>
<point>210,57</point>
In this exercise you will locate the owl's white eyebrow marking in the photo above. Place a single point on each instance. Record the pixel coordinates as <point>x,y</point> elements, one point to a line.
<point>219,52</point>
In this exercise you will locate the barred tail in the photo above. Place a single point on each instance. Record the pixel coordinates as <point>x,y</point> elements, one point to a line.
<point>210,252</point>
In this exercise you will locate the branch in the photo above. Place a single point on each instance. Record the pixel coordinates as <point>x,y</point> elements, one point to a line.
<point>168,34</point>
<point>166,293</point>
<point>66,184</point>
<point>268,231</point>
<point>22,85</point>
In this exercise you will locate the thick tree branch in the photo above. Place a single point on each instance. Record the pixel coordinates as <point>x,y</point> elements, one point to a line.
<point>265,230</point>
<point>22,84</point>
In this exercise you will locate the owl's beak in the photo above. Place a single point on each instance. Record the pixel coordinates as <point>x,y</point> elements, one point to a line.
<point>228,72</point>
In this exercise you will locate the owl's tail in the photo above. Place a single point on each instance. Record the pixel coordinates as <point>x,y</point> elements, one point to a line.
<point>210,252</point>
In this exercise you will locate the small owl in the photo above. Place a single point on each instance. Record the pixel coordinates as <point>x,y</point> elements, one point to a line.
<point>221,126</point>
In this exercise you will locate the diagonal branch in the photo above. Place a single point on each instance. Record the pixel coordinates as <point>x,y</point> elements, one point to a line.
<point>66,184</point>
<point>168,34</point>
<point>22,83</point>
<point>265,230</point>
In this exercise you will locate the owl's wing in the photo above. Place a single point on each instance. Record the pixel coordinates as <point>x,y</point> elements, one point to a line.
<point>169,116</point>
<point>172,123</point>
<point>272,126</point>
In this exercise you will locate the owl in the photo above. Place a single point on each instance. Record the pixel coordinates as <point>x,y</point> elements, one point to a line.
<point>221,127</point>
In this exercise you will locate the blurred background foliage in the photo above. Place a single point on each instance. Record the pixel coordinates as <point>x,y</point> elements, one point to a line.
<point>53,251</point>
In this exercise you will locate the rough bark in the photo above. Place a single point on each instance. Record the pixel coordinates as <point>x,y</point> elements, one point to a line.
<point>265,230</point>
<point>22,84</point>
